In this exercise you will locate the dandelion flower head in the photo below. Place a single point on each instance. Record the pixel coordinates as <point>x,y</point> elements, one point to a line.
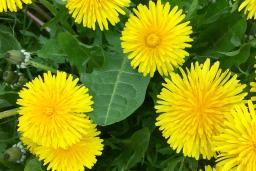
<point>249,7</point>
<point>12,5</point>
<point>90,12</point>
<point>52,110</point>
<point>192,107</point>
<point>75,157</point>
<point>155,38</point>
<point>236,143</point>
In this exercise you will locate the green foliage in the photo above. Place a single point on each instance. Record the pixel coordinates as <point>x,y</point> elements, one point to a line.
<point>123,99</point>
<point>52,51</point>
<point>134,150</point>
<point>7,40</point>
<point>33,165</point>
<point>118,90</point>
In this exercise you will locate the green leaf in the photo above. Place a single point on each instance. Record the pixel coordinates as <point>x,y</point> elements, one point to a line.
<point>76,54</point>
<point>4,103</point>
<point>134,150</point>
<point>3,147</point>
<point>7,40</point>
<point>192,9</point>
<point>33,165</point>
<point>117,89</point>
<point>79,54</point>
<point>7,96</point>
<point>172,163</point>
<point>232,53</point>
<point>4,135</point>
<point>236,57</point>
<point>223,35</point>
<point>214,11</point>
<point>52,50</point>
<point>49,6</point>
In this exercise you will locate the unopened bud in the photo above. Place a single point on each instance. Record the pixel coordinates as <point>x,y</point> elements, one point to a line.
<point>12,154</point>
<point>15,57</point>
<point>16,153</point>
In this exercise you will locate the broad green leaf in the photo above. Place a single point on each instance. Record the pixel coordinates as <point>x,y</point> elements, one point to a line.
<point>79,54</point>
<point>239,56</point>
<point>214,11</point>
<point>223,35</point>
<point>7,40</point>
<point>76,54</point>
<point>4,135</point>
<point>117,89</point>
<point>172,163</point>
<point>7,96</point>
<point>52,50</point>
<point>134,150</point>
<point>209,13</point>
<point>33,165</point>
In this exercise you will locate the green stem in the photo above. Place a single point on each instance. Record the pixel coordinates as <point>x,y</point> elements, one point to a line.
<point>243,72</point>
<point>8,113</point>
<point>182,164</point>
<point>41,66</point>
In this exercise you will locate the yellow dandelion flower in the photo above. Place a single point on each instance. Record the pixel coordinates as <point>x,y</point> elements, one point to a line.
<point>192,107</point>
<point>75,157</point>
<point>155,38</point>
<point>12,5</point>
<point>52,110</point>
<point>89,12</point>
<point>253,90</point>
<point>236,143</point>
<point>30,145</point>
<point>249,7</point>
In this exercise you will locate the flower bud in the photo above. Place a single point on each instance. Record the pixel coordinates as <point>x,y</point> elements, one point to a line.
<point>12,154</point>
<point>15,57</point>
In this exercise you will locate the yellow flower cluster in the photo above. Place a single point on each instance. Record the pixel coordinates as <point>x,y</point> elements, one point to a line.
<point>201,109</point>
<point>53,123</point>
<point>90,12</point>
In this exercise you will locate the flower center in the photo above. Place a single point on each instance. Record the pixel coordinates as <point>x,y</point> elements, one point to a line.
<point>50,111</point>
<point>152,40</point>
<point>200,107</point>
